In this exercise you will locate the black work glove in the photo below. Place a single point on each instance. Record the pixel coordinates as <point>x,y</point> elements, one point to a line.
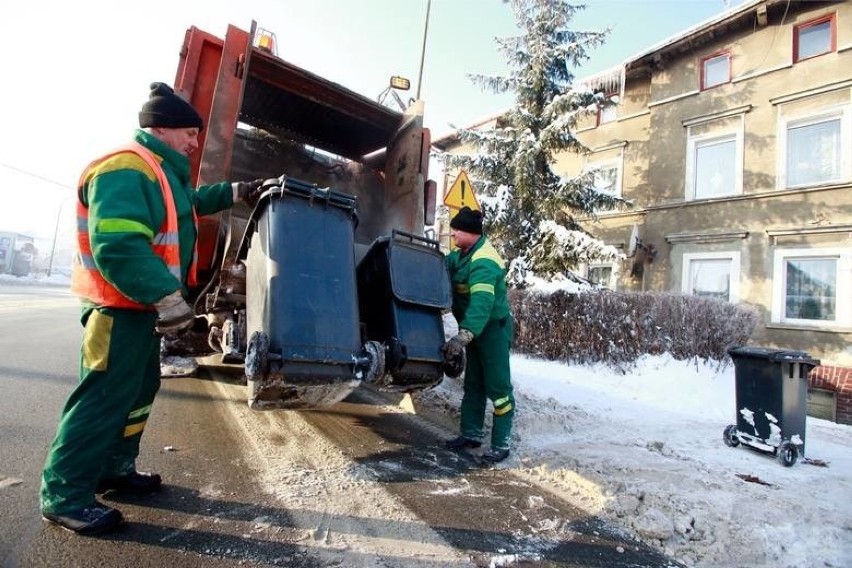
<point>248,191</point>
<point>454,354</point>
<point>174,314</point>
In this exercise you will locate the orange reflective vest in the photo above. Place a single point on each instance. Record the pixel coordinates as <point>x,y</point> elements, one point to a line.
<point>86,280</point>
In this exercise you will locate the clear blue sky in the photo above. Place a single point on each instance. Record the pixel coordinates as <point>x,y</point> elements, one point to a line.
<point>76,73</point>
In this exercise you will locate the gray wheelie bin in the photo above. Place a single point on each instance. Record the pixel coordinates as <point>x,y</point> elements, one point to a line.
<point>771,392</point>
<point>403,286</point>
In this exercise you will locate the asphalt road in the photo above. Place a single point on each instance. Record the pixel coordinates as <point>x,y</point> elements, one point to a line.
<point>359,484</point>
<point>38,347</point>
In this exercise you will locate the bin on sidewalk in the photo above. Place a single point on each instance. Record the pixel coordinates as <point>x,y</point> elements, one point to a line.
<point>771,391</point>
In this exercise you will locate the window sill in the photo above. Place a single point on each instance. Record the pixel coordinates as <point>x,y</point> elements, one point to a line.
<point>703,199</point>
<point>705,88</point>
<point>799,327</point>
<point>797,59</point>
<point>815,185</point>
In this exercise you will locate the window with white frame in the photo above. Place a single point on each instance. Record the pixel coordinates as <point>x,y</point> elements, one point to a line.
<point>712,274</point>
<point>601,275</point>
<point>715,70</point>
<point>806,285</point>
<point>606,176</point>
<point>714,165</point>
<point>815,148</point>
<point>814,38</point>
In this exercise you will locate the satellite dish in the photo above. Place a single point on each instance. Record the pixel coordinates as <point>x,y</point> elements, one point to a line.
<point>634,241</point>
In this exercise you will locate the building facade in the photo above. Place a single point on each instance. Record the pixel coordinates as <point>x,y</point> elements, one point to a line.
<point>733,143</point>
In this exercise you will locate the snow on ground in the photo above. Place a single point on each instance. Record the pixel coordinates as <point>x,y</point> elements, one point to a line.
<point>645,450</point>
<point>55,279</point>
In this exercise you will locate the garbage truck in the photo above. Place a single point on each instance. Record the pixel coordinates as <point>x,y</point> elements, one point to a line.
<point>330,281</point>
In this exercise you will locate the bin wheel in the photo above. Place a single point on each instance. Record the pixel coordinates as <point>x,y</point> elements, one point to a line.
<point>788,453</point>
<point>729,436</point>
<point>257,352</point>
<point>371,363</point>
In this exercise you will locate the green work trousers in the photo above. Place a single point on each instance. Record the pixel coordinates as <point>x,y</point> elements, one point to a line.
<point>103,420</point>
<point>487,377</point>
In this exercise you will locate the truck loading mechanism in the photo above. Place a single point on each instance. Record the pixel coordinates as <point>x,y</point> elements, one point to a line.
<point>328,282</point>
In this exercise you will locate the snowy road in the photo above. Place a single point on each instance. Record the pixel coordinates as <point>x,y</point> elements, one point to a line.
<point>360,484</point>
<point>365,484</point>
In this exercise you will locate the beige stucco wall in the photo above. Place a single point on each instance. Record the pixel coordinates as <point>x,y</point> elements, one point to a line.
<point>765,86</point>
<point>662,104</point>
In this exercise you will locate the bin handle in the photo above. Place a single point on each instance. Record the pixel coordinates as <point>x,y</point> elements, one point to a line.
<point>413,237</point>
<point>277,186</point>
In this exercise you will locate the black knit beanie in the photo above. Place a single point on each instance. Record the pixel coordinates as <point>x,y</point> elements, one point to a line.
<point>166,109</point>
<point>468,220</point>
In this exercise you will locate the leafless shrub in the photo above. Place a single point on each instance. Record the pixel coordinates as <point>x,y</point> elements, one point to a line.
<point>616,328</point>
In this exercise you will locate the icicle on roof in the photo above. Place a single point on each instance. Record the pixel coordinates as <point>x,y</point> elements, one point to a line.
<point>608,80</point>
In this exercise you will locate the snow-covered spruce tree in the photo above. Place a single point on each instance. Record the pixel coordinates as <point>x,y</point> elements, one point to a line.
<point>530,210</point>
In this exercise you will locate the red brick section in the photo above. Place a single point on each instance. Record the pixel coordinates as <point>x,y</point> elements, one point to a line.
<point>839,380</point>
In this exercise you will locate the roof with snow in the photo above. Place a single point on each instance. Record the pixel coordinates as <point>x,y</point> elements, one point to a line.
<point>749,14</point>
<point>450,139</point>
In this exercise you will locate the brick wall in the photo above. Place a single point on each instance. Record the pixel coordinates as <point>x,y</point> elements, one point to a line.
<point>839,380</point>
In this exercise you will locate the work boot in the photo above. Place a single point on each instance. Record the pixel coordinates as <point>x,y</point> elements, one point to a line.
<point>135,483</point>
<point>461,443</point>
<point>494,455</point>
<point>96,518</point>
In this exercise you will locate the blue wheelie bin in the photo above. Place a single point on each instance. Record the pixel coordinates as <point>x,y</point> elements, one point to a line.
<point>403,286</point>
<point>305,347</point>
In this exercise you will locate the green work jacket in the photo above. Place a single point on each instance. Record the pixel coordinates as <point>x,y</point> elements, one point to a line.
<point>478,278</point>
<point>126,209</point>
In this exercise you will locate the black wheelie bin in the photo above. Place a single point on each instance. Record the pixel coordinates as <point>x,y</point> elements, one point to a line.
<point>302,320</point>
<point>771,392</point>
<point>403,287</point>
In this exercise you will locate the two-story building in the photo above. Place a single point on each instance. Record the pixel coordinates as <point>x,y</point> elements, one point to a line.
<point>733,142</point>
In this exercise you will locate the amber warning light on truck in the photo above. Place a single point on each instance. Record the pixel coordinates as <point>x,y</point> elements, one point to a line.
<point>265,40</point>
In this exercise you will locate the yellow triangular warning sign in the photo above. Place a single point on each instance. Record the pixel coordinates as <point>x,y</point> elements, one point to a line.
<point>461,194</point>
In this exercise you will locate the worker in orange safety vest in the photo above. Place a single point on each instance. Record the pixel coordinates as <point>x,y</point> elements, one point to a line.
<point>136,235</point>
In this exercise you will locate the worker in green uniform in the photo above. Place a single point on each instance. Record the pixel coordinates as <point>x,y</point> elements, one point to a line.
<point>137,228</point>
<point>485,334</point>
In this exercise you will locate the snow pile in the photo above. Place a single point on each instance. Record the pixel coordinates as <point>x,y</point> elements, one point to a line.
<point>54,279</point>
<point>645,450</point>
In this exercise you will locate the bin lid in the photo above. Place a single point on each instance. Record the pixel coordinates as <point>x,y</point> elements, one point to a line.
<point>772,354</point>
<point>418,275</point>
<point>291,187</point>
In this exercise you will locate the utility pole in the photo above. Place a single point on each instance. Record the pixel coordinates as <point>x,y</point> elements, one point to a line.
<point>56,234</point>
<point>423,50</point>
